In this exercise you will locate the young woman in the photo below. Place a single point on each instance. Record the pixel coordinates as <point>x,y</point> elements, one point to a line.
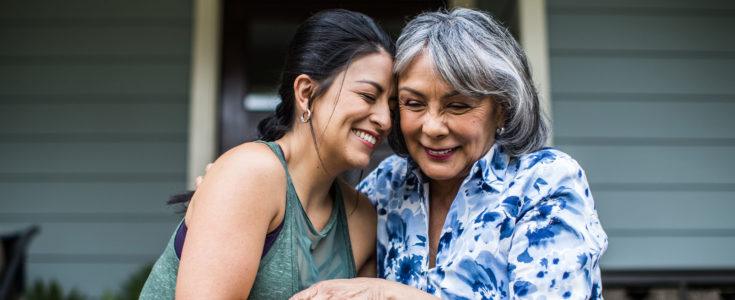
<point>272,219</point>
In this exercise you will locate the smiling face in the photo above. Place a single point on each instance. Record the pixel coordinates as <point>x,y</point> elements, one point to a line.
<point>352,117</point>
<point>445,132</point>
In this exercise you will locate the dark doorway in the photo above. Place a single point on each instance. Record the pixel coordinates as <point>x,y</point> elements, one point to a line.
<point>255,39</point>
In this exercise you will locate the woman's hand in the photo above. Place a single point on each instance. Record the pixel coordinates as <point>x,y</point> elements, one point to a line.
<point>361,288</point>
<point>356,288</point>
<point>199,179</point>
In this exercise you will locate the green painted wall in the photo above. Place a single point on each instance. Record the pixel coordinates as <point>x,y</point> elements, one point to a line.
<point>643,97</point>
<point>93,129</point>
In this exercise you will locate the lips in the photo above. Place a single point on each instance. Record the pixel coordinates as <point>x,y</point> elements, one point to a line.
<point>440,154</point>
<point>368,138</point>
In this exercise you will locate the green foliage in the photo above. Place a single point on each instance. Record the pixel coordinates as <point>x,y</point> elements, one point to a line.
<point>130,289</point>
<point>52,290</point>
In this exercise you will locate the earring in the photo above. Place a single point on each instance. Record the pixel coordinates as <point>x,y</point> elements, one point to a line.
<point>500,130</point>
<point>305,116</point>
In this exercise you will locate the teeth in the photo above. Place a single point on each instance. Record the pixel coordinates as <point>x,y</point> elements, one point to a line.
<point>432,152</point>
<point>365,137</point>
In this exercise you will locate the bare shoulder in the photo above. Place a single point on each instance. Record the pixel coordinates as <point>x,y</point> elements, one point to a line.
<point>239,200</point>
<point>256,156</point>
<point>246,177</point>
<point>251,167</point>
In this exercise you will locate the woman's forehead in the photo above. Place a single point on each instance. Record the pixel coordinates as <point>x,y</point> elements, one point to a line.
<point>425,85</point>
<point>374,66</point>
<point>422,71</point>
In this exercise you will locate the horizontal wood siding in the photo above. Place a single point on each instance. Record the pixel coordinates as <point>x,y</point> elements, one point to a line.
<point>93,132</point>
<point>643,98</point>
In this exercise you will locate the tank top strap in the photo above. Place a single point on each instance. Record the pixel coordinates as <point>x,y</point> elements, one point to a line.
<point>281,157</point>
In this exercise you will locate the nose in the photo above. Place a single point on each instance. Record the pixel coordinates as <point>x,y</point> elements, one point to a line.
<point>434,126</point>
<point>381,116</point>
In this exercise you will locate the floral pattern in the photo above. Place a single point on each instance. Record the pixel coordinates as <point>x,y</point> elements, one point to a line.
<point>520,227</point>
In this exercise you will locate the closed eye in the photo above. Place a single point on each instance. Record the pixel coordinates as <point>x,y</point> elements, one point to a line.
<point>412,104</point>
<point>458,107</point>
<point>367,97</point>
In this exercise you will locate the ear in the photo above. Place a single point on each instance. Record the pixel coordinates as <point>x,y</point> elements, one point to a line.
<point>500,116</point>
<point>303,89</point>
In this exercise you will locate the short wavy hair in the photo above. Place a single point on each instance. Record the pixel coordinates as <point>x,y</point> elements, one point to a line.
<point>478,57</point>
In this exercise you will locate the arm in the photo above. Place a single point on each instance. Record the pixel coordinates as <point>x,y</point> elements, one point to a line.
<point>558,241</point>
<point>362,288</point>
<point>234,209</point>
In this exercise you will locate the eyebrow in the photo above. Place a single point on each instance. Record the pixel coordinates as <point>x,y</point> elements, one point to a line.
<point>410,90</point>
<point>450,94</point>
<point>445,96</point>
<point>375,84</point>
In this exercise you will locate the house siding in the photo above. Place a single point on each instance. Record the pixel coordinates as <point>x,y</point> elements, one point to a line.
<point>643,98</point>
<point>93,132</point>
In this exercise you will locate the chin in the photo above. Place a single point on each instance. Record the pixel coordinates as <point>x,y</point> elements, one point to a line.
<point>358,157</point>
<point>358,163</point>
<point>358,160</point>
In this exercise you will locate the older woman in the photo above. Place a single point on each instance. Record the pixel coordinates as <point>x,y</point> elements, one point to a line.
<point>472,206</point>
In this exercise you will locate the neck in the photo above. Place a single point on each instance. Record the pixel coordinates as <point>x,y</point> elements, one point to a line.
<point>310,179</point>
<point>443,192</point>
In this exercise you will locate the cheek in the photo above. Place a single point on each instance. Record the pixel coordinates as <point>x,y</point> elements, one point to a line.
<point>347,109</point>
<point>410,124</point>
<point>473,130</point>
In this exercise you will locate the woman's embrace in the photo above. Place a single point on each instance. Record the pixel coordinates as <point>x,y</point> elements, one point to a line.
<point>472,206</point>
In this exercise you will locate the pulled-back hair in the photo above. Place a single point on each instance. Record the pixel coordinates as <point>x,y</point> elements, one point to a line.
<point>323,46</point>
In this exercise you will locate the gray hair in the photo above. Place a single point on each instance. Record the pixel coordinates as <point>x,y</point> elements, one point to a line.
<point>478,57</point>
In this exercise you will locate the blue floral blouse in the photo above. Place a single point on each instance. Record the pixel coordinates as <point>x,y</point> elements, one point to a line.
<point>524,227</point>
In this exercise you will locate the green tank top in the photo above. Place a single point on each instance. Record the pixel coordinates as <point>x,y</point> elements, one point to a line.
<point>299,257</point>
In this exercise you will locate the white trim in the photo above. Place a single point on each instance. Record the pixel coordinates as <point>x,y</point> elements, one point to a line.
<point>204,85</point>
<point>534,39</point>
<point>264,102</point>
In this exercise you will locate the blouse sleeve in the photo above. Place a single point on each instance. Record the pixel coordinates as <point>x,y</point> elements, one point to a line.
<point>558,239</point>
<point>367,186</point>
<point>377,185</point>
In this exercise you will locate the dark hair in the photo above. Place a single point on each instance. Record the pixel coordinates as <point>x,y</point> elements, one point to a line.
<point>323,46</point>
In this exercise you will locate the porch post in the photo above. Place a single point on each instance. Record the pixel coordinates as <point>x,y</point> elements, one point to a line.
<point>205,71</point>
<point>534,39</point>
